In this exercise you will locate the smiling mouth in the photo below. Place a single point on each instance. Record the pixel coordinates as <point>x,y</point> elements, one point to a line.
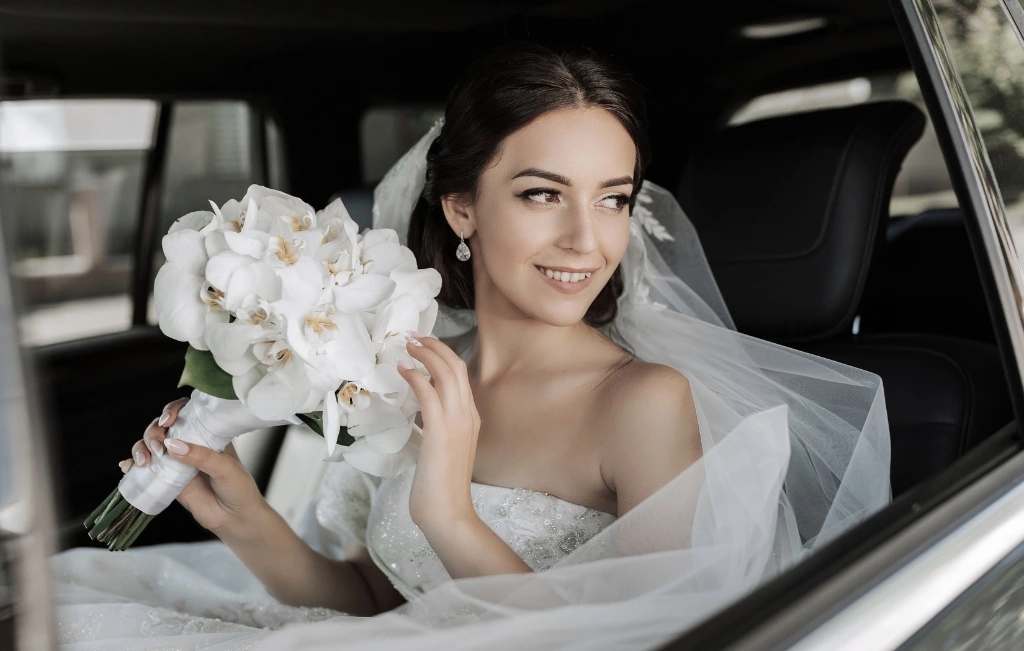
<point>566,276</point>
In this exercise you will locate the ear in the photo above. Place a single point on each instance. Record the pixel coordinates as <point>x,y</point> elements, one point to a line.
<point>459,214</point>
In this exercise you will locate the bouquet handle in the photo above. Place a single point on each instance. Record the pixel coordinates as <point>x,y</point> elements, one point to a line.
<point>145,491</point>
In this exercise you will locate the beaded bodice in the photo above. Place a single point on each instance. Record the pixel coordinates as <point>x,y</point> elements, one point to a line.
<point>541,528</point>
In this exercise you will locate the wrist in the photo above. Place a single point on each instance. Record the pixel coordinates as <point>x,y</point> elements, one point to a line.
<point>258,525</point>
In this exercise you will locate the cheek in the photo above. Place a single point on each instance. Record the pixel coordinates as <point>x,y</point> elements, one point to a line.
<point>614,238</point>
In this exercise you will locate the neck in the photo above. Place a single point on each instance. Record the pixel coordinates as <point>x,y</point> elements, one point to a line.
<point>509,340</point>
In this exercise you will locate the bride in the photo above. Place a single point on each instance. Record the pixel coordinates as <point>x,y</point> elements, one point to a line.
<point>604,459</point>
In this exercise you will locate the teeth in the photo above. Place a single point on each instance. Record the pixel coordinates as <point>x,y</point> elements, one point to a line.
<point>566,276</point>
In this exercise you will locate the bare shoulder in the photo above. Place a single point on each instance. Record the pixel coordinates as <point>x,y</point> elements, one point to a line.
<point>650,428</point>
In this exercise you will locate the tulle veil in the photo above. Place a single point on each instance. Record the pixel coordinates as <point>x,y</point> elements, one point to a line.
<point>796,450</point>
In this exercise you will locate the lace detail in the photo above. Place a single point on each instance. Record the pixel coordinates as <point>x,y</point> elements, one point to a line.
<point>344,501</point>
<point>244,617</point>
<point>541,528</point>
<point>646,217</point>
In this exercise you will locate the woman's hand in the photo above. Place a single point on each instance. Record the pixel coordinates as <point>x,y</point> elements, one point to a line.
<point>223,497</point>
<point>440,493</point>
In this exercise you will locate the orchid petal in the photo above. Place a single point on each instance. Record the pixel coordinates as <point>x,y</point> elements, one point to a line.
<point>181,313</point>
<point>421,284</point>
<point>390,441</point>
<point>377,417</point>
<point>377,236</point>
<point>364,292</point>
<point>193,221</point>
<point>331,421</point>
<point>303,282</point>
<point>244,382</point>
<point>257,278</point>
<point>387,257</point>
<point>362,457</point>
<point>186,249</point>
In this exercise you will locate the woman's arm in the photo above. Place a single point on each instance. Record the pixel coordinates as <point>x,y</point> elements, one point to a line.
<point>296,574</point>
<point>468,547</point>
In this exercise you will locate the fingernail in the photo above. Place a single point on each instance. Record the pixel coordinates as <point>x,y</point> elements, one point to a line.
<point>156,447</point>
<point>125,465</point>
<point>139,458</point>
<point>164,417</point>
<point>176,446</point>
<point>404,365</point>
<point>412,340</point>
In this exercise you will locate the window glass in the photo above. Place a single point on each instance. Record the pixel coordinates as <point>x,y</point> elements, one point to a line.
<point>990,62</point>
<point>923,182</point>
<point>387,132</point>
<point>214,153</point>
<point>72,174</point>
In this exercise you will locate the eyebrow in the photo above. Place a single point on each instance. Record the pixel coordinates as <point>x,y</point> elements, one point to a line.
<point>562,180</point>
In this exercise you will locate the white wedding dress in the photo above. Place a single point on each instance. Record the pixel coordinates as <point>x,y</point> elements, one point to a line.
<point>795,453</point>
<point>200,596</point>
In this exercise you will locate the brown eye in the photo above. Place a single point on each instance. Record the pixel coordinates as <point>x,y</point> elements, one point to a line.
<point>544,196</point>
<point>615,201</point>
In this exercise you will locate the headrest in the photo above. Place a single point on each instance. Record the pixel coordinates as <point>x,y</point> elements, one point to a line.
<point>789,211</point>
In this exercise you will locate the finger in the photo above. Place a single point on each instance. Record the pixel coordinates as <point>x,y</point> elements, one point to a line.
<point>444,379</point>
<point>170,413</point>
<point>140,454</point>
<point>452,360</point>
<point>219,466</point>
<point>153,437</point>
<point>232,452</point>
<point>430,404</point>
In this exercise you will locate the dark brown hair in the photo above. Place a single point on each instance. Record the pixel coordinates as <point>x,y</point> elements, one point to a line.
<point>498,95</point>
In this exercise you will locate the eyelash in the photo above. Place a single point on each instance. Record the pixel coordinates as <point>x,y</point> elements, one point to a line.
<point>534,192</point>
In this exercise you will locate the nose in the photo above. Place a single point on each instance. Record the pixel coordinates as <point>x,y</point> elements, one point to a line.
<point>578,231</point>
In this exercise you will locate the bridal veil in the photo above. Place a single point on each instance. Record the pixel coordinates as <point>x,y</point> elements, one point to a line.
<point>795,452</point>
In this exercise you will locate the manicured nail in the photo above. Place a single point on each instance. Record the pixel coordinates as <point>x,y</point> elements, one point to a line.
<point>176,447</point>
<point>164,417</point>
<point>404,365</point>
<point>125,465</point>
<point>413,341</point>
<point>139,458</point>
<point>156,447</point>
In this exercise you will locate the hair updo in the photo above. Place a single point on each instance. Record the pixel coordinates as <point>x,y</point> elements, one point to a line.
<point>498,95</point>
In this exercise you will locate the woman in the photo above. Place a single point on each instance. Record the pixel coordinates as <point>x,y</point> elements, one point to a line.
<point>603,456</point>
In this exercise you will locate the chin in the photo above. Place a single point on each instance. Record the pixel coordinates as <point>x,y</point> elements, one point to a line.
<point>564,314</point>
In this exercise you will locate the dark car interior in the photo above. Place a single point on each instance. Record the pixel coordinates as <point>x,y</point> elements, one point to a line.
<point>793,211</point>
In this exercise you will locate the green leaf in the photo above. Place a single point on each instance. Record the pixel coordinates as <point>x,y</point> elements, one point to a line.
<point>201,372</point>
<point>315,420</point>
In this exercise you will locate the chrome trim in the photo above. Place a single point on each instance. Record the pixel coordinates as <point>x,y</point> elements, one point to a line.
<point>1014,12</point>
<point>891,613</point>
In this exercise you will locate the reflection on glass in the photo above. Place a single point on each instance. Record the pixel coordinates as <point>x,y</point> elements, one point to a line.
<point>990,61</point>
<point>72,177</point>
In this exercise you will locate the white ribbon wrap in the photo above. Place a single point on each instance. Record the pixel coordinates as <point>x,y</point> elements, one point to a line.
<point>204,420</point>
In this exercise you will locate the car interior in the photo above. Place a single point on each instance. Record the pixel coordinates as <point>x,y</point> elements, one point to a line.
<point>794,209</point>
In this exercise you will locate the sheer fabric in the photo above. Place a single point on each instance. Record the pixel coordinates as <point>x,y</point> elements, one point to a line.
<point>795,451</point>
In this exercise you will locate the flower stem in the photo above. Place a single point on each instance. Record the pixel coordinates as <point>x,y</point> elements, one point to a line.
<point>116,522</point>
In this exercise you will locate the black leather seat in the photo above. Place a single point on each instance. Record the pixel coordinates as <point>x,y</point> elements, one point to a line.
<point>791,212</point>
<point>926,279</point>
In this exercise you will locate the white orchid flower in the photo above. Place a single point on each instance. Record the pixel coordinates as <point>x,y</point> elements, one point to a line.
<point>179,284</point>
<point>362,456</point>
<point>236,275</point>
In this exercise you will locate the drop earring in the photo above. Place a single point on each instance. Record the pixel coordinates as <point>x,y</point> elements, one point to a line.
<point>462,252</point>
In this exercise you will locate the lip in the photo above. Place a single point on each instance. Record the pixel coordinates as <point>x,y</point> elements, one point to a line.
<point>566,288</point>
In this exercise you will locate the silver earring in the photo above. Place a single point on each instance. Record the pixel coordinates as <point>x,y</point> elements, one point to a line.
<point>462,252</point>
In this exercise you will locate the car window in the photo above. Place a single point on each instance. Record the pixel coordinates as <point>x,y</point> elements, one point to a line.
<point>72,175</point>
<point>990,61</point>
<point>923,182</point>
<point>387,132</point>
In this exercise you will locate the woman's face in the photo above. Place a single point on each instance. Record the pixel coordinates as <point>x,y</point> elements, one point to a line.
<point>550,222</point>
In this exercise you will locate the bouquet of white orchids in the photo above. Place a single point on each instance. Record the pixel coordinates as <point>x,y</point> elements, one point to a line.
<point>291,316</point>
